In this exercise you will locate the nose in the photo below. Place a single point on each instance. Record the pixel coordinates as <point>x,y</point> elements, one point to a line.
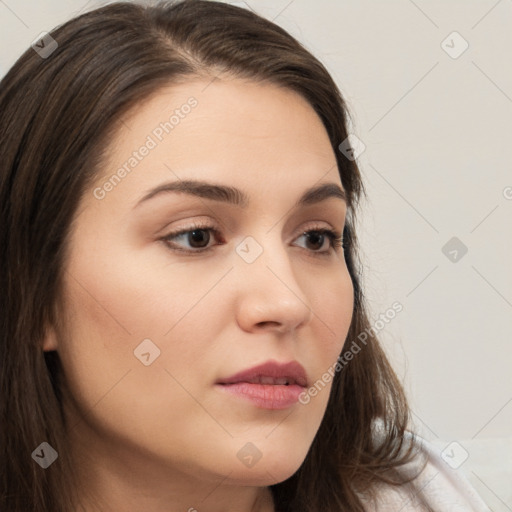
<point>269,293</point>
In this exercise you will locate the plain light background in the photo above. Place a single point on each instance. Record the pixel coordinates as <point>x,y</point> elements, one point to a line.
<point>437,126</point>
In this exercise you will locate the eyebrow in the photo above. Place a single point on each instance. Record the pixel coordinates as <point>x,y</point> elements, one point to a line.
<point>237,197</point>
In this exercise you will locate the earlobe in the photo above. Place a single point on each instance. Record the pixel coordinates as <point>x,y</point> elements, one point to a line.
<point>50,340</point>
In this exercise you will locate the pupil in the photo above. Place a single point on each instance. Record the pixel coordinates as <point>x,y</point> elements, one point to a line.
<point>316,238</point>
<point>198,236</point>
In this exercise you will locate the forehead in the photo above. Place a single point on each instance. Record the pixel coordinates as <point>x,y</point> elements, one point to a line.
<point>240,132</point>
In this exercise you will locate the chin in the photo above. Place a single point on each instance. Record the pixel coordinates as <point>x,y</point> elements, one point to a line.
<point>269,470</point>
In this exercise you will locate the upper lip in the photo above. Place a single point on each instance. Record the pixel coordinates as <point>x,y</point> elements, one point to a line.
<point>292,371</point>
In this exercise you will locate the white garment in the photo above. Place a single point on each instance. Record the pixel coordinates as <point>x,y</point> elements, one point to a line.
<point>441,486</point>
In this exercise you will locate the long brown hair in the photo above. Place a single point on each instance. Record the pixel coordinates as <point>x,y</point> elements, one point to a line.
<point>57,115</point>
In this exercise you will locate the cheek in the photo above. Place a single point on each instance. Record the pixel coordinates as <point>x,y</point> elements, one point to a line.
<point>132,296</point>
<point>106,320</point>
<point>112,305</point>
<point>332,301</point>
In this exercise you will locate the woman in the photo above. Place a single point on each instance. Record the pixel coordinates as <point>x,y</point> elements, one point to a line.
<point>181,287</point>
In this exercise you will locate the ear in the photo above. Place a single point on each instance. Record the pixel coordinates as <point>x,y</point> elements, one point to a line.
<point>49,342</point>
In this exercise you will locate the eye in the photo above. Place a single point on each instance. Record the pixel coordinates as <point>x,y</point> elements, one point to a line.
<point>318,237</point>
<point>198,237</point>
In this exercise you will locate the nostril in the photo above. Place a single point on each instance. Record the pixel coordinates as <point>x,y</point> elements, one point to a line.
<point>267,323</point>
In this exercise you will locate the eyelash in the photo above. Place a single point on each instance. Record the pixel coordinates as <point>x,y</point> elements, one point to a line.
<point>335,239</point>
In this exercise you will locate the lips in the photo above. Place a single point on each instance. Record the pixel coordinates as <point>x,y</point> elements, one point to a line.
<point>271,373</point>
<point>271,385</point>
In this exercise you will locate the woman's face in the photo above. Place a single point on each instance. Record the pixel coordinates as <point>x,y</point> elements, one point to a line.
<point>151,326</point>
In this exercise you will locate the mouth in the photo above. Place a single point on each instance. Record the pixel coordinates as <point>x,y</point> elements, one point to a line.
<point>272,373</point>
<point>270,385</point>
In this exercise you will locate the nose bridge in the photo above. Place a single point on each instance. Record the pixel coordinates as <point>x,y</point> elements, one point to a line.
<point>269,291</point>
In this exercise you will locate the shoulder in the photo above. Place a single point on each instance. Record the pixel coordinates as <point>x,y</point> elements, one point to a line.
<point>438,487</point>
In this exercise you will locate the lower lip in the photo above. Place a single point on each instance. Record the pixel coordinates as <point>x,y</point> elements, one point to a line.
<point>266,396</point>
